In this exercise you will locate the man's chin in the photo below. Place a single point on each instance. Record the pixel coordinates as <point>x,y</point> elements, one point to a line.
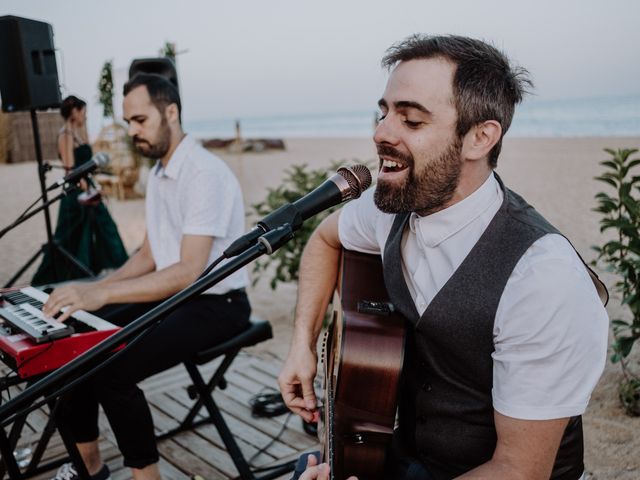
<point>144,151</point>
<point>388,198</point>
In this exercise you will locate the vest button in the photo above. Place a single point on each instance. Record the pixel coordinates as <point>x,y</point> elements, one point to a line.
<point>426,387</point>
<point>422,419</point>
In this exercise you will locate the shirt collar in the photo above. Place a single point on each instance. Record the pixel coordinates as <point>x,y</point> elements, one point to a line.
<point>435,228</point>
<point>172,170</point>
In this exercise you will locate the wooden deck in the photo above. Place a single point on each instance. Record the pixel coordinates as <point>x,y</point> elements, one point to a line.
<point>201,451</point>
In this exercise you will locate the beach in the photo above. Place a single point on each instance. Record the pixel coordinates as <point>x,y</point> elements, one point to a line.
<point>555,175</point>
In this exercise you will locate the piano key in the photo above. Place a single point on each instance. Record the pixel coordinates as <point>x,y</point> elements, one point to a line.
<point>87,318</point>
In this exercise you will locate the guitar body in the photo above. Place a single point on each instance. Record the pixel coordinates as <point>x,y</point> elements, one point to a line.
<point>363,358</point>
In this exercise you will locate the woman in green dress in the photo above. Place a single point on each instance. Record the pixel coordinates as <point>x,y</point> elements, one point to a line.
<point>84,229</point>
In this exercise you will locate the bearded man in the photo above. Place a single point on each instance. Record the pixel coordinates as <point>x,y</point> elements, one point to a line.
<point>194,210</point>
<point>507,335</point>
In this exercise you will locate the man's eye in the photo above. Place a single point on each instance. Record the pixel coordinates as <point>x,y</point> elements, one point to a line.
<point>380,117</point>
<point>411,124</point>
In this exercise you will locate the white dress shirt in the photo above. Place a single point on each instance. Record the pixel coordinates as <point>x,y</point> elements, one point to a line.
<point>550,329</point>
<point>196,194</point>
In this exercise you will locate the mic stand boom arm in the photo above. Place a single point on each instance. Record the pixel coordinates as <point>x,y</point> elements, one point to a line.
<point>26,216</point>
<point>268,243</point>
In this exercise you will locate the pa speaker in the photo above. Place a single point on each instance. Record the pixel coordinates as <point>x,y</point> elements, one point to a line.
<point>28,70</point>
<point>161,66</point>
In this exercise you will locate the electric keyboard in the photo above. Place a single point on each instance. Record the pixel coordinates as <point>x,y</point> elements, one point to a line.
<point>31,343</point>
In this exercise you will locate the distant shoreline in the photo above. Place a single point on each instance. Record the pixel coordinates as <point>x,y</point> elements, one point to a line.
<point>573,118</point>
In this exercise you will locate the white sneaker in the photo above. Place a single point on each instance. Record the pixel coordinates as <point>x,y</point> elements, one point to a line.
<point>68,472</point>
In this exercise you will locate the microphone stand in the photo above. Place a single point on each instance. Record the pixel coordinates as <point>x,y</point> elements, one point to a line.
<point>51,246</point>
<point>92,359</point>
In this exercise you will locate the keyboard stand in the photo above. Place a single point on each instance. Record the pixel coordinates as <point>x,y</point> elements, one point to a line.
<point>8,444</point>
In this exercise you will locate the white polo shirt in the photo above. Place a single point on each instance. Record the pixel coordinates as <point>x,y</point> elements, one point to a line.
<point>550,330</point>
<point>196,194</point>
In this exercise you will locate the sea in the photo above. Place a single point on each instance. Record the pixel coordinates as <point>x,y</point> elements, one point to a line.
<point>578,117</point>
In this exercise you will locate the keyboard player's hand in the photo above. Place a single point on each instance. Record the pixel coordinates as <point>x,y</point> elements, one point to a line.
<point>75,296</point>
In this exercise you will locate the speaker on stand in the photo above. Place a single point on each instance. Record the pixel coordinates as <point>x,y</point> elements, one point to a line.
<point>163,66</point>
<point>29,81</point>
<point>29,78</point>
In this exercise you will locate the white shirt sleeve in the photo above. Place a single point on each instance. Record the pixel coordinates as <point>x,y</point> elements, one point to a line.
<point>362,227</point>
<point>207,203</point>
<point>550,335</point>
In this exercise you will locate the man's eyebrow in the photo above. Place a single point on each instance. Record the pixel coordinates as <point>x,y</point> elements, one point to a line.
<point>409,104</point>
<point>403,104</point>
<point>135,118</point>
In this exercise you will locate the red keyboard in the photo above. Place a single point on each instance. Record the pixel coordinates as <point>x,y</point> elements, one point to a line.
<point>31,343</point>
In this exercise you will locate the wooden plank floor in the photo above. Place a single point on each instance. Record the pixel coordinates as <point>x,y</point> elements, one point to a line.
<point>266,441</point>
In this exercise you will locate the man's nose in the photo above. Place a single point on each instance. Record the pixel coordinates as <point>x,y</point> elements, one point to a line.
<point>132,130</point>
<point>386,131</point>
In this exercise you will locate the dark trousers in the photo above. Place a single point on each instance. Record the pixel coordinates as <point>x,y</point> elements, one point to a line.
<point>199,324</point>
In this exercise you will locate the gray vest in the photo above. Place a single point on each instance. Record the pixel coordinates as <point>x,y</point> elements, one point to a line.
<point>446,411</point>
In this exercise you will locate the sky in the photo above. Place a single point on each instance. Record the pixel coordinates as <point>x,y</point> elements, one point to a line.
<point>253,58</point>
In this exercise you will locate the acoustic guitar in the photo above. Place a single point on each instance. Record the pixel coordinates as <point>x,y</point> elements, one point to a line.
<point>363,355</point>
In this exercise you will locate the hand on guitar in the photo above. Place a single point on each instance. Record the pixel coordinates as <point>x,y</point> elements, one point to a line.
<point>296,382</point>
<point>317,472</point>
<point>76,296</point>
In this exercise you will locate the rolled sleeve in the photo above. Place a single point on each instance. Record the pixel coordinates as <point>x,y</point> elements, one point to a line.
<point>550,335</point>
<point>362,227</point>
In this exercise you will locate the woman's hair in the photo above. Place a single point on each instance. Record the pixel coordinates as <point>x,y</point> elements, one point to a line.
<point>69,104</point>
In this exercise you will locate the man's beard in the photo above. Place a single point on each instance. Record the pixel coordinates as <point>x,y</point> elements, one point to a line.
<point>158,149</point>
<point>423,192</point>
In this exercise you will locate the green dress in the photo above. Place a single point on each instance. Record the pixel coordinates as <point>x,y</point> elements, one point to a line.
<point>86,231</point>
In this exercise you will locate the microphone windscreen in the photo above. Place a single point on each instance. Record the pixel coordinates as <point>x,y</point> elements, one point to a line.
<point>101,159</point>
<point>358,177</point>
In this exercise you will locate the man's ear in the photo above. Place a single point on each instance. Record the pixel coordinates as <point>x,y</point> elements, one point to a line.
<point>172,114</point>
<point>480,139</point>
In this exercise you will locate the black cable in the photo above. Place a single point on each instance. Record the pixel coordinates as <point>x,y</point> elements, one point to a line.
<point>212,266</point>
<point>29,207</point>
<point>268,404</point>
<point>17,221</point>
<point>269,443</point>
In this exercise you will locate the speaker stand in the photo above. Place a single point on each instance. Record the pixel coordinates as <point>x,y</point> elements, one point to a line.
<point>55,251</point>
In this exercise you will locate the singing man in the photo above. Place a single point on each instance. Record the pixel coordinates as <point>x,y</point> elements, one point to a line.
<point>507,335</point>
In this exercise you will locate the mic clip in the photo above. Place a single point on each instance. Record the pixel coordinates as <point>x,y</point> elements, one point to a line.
<point>46,167</point>
<point>274,239</point>
<point>285,215</point>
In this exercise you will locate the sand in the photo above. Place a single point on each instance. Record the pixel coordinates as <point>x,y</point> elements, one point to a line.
<point>554,175</point>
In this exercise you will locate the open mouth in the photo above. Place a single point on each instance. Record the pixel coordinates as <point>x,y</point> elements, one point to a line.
<point>392,166</point>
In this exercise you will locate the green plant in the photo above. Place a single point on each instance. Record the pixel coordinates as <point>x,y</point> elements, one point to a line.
<point>621,255</point>
<point>169,50</point>
<point>105,87</point>
<point>298,181</point>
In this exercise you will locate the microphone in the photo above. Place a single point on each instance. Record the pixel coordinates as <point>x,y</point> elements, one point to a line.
<point>346,184</point>
<point>100,159</point>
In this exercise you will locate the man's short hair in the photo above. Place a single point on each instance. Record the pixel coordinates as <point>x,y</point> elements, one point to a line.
<point>485,85</point>
<point>161,91</point>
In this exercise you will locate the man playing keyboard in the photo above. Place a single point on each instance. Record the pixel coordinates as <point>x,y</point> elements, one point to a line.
<point>194,209</point>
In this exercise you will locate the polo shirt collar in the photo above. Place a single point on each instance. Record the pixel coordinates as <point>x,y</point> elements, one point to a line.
<point>434,229</point>
<point>172,170</point>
